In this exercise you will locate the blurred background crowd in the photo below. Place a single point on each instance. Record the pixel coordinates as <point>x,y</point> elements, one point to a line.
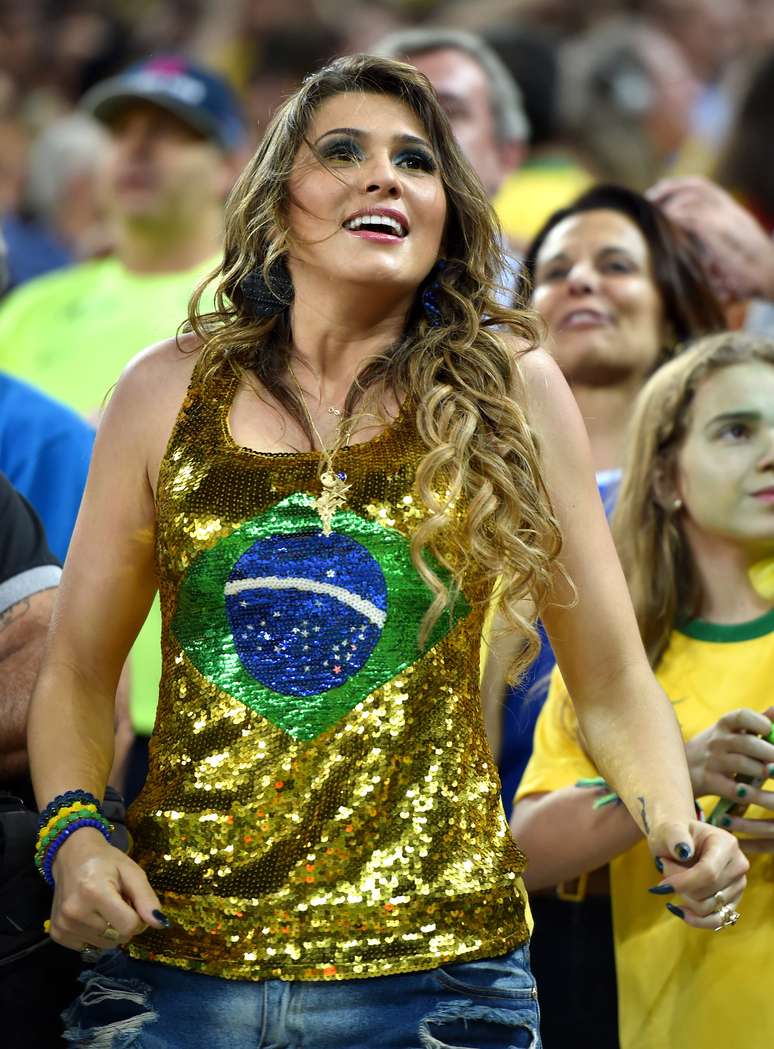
<point>623,90</point>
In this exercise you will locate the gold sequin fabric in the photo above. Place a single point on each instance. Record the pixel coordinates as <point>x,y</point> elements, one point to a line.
<point>321,801</point>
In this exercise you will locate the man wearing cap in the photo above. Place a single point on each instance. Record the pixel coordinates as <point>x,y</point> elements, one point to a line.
<point>177,144</point>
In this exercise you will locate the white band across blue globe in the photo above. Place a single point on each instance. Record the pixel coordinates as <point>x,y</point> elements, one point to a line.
<point>360,604</point>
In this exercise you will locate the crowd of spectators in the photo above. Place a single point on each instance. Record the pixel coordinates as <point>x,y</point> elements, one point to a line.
<point>618,90</point>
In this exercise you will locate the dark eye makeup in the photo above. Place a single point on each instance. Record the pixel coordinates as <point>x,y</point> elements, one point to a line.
<point>345,149</point>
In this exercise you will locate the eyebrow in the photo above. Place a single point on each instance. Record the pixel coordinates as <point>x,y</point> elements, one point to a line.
<point>734,416</point>
<point>609,249</point>
<point>359,133</point>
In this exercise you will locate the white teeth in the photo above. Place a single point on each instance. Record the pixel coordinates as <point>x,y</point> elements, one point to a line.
<point>585,315</point>
<point>387,221</point>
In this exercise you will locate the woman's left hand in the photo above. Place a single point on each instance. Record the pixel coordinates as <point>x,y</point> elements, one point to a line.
<point>712,877</point>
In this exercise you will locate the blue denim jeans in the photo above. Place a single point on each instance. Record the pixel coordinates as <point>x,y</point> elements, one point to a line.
<point>126,1004</point>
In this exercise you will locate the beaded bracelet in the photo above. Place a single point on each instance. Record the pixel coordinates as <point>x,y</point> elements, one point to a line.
<point>67,798</point>
<point>61,838</point>
<point>62,817</point>
<point>59,823</point>
<point>67,810</point>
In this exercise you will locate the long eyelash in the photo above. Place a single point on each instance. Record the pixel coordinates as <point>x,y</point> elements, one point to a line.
<point>425,159</point>
<point>339,148</point>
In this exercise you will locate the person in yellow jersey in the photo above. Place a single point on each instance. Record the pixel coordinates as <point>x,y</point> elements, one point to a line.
<point>694,527</point>
<point>324,478</point>
<point>177,143</point>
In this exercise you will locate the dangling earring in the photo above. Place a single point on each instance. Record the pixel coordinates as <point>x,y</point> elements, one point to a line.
<point>266,299</point>
<point>677,504</point>
<point>430,302</point>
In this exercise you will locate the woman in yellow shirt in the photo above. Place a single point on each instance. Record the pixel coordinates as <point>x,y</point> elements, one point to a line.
<point>696,513</point>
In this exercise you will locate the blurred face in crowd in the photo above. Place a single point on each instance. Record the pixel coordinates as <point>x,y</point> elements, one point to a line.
<point>725,466</point>
<point>161,173</point>
<point>464,94</point>
<point>595,289</point>
<point>367,206</point>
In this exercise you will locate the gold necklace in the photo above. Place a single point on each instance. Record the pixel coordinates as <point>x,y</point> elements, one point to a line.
<point>334,485</point>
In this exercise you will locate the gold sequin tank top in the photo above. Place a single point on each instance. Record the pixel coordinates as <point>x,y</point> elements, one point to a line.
<point>321,801</point>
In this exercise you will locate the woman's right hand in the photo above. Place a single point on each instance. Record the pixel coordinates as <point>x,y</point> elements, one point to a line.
<point>98,888</point>
<point>731,747</point>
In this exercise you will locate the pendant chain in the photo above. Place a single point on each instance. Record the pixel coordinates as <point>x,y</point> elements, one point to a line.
<point>334,485</point>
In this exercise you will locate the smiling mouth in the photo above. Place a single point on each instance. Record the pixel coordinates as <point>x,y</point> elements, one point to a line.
<point>585,319</point>
<point>384,225</point>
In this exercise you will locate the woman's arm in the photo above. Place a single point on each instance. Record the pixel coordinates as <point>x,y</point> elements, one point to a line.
<point>624,716</point>
<point>564,836</point>
<point>554,820</point>
<point>106,590</point>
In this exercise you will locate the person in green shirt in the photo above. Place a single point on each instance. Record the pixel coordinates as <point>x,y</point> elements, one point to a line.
<point>178,140</point>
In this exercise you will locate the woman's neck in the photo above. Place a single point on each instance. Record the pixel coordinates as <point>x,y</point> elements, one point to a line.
<point>335,334</point>
<point>606,411</point>
<point>723,567</point>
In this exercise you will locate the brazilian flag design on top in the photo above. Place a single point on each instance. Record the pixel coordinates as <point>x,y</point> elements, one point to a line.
<point>301,627</point>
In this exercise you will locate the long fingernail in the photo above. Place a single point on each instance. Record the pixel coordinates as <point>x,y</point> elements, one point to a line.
<point>677,911</point>
<point>661,890</point>
<point>659,865</point>
<point>683,851</point>
<point>162,919</point>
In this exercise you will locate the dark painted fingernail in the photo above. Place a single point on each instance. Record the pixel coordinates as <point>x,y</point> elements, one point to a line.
<point>659,865</point>
<point>162,919</point>
<point>677,911</point>
<point>661,890</point>
<point>726,821</point>
<point>683,851</point>
<point>771,770</point>
<point>741,791</point>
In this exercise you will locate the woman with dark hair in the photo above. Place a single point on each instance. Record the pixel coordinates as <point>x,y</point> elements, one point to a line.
<point>619,288</point>
<point>326,484</point>
<point>695,516</point>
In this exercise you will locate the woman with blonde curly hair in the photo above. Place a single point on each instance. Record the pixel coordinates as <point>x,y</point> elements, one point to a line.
<point>326,477</point>
<point>694,527</point>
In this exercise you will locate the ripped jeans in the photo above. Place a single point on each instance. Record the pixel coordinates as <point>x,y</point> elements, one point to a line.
<point>126,1004</point>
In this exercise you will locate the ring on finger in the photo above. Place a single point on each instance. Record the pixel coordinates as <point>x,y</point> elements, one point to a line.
<point>727,916</point>
<point>719,900</point>
<point>109,933</point>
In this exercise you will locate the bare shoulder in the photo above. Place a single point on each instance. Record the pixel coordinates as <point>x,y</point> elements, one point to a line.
<point>160,373</point>
<point>145,403</point>
<point>540,382</point>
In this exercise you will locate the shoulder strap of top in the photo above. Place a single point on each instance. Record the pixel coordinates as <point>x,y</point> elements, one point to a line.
<point>203,415</point>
